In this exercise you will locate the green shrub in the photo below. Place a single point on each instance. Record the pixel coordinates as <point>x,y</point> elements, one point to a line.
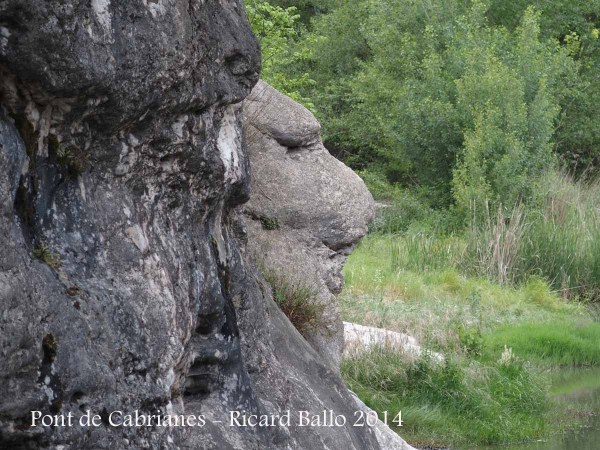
<point>437,96</point>
<point>575,23</point>
<point>269,223</point>
<point>470,339</point>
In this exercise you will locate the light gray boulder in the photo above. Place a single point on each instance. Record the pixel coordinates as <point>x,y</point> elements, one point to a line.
<point>307,210</point>
<point>360,339</point>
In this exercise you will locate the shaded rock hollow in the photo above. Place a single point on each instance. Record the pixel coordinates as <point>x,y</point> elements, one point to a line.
<point>125,283</point>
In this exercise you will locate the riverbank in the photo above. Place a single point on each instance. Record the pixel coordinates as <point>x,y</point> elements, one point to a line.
<point>500,342</point>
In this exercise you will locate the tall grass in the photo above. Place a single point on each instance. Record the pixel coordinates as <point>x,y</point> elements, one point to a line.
<point>496,287</point>
<point>299,302</point>
<point>493,245</point>
<point>458,402</point>
<point>562,243</point>
<point>555,237</point>
<point>422,252</point>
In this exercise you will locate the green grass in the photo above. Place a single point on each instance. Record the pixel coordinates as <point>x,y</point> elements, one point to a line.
<point>458,402</point>
<point>403,284</point>
<point>556,237</point>
<point>506,299</point>
<point>552,343</point>
<point>299,302</point>
<point>432,302</point>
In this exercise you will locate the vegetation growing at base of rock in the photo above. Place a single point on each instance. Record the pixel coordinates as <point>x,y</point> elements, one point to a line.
<point>459,401</point>
<point>298,302</point>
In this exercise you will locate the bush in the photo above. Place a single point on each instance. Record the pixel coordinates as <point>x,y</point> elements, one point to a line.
<point>470,339</point>
<point>400,209</point>
<point>575,24</point>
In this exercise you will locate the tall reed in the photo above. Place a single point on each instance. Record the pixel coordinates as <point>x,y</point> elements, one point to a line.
<point>555,236</point>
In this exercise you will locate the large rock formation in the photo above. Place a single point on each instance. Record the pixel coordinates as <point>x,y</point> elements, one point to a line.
<point>307,209</point>
<point>124,281</point>
<point>306,213</point>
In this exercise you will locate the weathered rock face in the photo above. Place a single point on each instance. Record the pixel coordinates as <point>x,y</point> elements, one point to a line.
<point>308,209</point>
<point>124,283</point>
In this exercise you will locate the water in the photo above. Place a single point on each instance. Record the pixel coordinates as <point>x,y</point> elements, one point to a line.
<point>576,390</point>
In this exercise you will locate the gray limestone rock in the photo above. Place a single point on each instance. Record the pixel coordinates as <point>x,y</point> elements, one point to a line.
<point>320,206</point>
<point>125,283</point>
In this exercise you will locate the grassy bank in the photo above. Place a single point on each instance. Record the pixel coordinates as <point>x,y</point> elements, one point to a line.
<point>433,304</point>
<point>506,300</point>
<point>478,397</point>
<point>568,343</point>
<point>459,401</point>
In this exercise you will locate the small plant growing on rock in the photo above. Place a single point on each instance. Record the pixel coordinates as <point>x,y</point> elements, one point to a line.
<point>70,157</point>
<point>50,347</point>
<point>297,301</point>
<point>43,253</point>
<point>269,223</point>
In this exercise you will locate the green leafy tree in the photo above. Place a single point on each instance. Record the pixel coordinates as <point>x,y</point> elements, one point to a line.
<point>438,97</point>
<point>466,100</point>
<point>277,30</point>
<point>576,25</point>
<point>511,102</point>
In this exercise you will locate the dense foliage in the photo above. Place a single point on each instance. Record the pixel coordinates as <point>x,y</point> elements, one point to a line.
<point>467,100</point>
<point>459,114</point>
